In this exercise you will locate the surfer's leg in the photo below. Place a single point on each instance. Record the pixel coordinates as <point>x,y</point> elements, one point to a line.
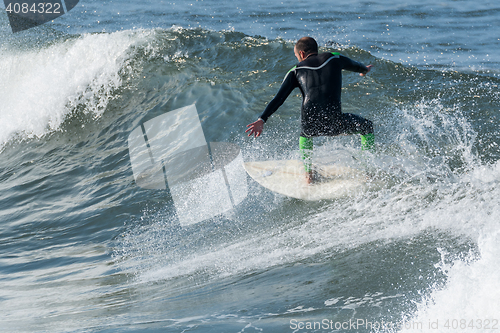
<point>358,125</point>
<point>306,150</point>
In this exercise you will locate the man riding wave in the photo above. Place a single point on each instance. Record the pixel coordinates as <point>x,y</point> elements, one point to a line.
<point>319,78</point>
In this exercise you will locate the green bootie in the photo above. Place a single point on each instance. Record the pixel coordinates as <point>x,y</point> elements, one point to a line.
<point>368,142</point>
<point>306,151</point>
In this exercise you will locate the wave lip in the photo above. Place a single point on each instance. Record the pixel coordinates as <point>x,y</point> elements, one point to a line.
<point>42,87</point>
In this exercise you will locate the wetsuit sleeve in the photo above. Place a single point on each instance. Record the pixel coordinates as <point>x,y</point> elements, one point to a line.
<point>353,66</point>
<point>289,83</point>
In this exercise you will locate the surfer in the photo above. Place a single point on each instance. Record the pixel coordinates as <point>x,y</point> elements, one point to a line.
<point>319,77</point>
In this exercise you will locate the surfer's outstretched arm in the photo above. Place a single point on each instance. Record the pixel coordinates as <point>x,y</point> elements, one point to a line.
<point>289,83</point>
<point>255,128</point>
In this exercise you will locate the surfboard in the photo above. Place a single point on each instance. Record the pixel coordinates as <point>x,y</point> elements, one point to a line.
<point>287,177</point>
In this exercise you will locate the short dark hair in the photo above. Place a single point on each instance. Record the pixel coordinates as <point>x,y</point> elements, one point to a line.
<point>307,44</point>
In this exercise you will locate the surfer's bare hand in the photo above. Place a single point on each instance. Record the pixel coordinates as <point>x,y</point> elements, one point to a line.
<point>369,69</point>
<point>255,128</point>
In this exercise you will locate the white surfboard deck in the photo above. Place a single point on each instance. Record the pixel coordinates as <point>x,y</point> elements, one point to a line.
<point>287,177</point>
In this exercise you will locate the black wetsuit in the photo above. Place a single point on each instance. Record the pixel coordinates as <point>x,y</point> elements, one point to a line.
<point>319,78</point>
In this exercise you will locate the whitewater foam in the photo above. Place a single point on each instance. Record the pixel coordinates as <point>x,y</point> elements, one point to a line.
<point>41,88</point>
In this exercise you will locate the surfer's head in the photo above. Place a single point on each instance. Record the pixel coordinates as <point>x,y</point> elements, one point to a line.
<point>305,47</point>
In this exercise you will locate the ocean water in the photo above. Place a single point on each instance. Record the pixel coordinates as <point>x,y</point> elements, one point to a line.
<point>83,248</point>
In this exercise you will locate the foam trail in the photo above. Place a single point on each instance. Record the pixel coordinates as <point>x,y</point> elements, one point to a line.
<point>470,299</point>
